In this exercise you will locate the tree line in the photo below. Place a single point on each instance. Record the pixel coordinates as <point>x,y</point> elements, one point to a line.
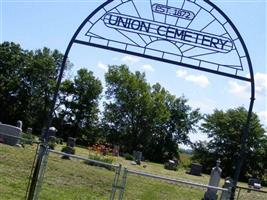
<point>136,115</point>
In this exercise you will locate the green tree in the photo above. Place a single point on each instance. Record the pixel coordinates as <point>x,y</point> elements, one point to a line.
<point>224,130</point>
<point>12,61</point>
<point>127,107</point>
<point>27,84</point>
<point>140,117</point>
<point>40,77</point>
<point>79,111</point>
<point>171,122</point>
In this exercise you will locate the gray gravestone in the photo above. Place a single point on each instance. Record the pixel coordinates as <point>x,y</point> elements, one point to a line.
<point>228,184</point>
<point>215,177</point>
<point>196,169</point>
<point>137,157</point>
<point>29,130</point>
<point>9,134</point>
<point>51,132</point>
<point>71,142</point>
<point>69,149</point>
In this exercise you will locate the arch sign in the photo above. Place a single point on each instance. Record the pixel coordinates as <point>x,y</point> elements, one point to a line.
<point>189,33</point>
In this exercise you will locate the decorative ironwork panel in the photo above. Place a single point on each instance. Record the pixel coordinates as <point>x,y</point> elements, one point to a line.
<point>190,33</point>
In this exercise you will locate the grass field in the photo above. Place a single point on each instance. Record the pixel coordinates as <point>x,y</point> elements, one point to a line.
<point>75,180</point>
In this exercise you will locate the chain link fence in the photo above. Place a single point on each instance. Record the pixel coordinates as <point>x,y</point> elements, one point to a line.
<point>16,163</point>
<point>250,194</point>
<point>80,178</point>
<point>139,185</point>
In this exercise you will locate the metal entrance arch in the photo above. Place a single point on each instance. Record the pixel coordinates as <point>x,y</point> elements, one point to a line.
<point>205,38</point>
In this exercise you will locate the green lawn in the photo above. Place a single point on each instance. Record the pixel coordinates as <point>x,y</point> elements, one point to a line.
<point>75,180</point>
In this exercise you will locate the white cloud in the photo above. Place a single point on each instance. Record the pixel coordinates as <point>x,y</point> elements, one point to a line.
<point>263,116</point>
<point>181,73</point>
<point>261,83</point>
<point>115,58</point>
<point>130,59</point>
<point>102,66</point>
<point>205,105</point>
<point>200,80</point>
<point>239,90</point>
<point>147,67</point>
<point>243,90</point>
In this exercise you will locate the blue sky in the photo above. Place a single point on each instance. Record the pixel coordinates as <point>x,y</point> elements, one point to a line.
<point>38,23</point>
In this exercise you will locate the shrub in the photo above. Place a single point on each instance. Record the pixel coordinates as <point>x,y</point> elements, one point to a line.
<point>68,150</point>
<point>59,141</point>
<point>27,138</point>
<point>104,148</point>
<point>128,156</point>
<point>52,142</point>
<point>100,158</point>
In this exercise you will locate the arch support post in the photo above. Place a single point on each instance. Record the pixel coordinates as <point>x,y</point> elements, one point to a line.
<point>37,168</point>
<point>244,140</point>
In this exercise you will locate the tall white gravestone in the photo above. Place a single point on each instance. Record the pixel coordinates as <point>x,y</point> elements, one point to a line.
<point>215,177</point>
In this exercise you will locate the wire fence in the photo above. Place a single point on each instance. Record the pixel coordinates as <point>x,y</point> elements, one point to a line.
<point>80,178</point>
<point>250,194</point>
<point>16,167</point>
<point>139,185</point>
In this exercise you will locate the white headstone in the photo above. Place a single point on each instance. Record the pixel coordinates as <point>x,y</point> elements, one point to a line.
<point>19,124</point>
<point>215,178</point>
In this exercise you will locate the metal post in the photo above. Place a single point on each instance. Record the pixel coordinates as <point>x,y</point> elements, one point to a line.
<point>244,141</point>
<point>123,184</point>
<point>115,182</point>
<point>31,174</point>
<point>238,194</point>
<point>41,174</point>
<point>36,174</point>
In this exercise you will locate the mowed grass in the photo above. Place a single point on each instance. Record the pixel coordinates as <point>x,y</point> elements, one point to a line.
<point>75,180</point>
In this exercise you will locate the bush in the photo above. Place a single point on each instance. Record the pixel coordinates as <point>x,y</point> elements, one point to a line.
<point>68,150</point>
<point>100,158</point>
<point>185,160</point>
<point>53,141</point>
<point>59,141</point>
<point>104,159</point>
<point>128,156</point>
<point>28,138</point>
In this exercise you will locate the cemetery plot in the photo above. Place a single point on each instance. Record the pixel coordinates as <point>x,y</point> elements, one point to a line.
<point>75,179</point>
<point>146,188</point>
<point>251,194</point>
<point>15,170</point>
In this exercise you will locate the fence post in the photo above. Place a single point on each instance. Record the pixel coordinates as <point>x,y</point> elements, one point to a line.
<point>115,182</point>
<point>42,172</point>
<point>238,194</point>
<point>123,184</point>
<point>38,172</point>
